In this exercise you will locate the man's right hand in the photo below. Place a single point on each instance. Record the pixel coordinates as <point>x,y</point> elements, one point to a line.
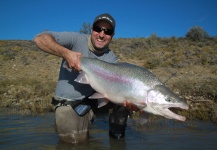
<point>73,60</point>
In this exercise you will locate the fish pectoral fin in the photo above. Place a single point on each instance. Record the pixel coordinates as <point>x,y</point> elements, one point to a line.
<point>82,78</point>
<point>102,102</point>
<point>143,118</point>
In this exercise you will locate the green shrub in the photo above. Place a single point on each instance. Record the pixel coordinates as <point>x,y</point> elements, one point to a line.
<point>197,34</point>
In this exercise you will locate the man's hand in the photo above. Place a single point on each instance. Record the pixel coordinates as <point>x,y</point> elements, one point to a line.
<point>131,106</point>
<point>73,60</point>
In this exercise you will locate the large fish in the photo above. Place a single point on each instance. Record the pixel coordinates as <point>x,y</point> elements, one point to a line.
<point>123,81</point>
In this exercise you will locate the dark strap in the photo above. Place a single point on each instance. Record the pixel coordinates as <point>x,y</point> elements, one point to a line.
<point>56,102</point>
<point>81,107</point>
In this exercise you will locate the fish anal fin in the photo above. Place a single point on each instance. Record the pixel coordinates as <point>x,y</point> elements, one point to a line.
<point>96,96</point>
<point>102,102</point>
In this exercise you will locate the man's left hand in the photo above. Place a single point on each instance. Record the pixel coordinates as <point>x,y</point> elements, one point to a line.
<point>131,106</point>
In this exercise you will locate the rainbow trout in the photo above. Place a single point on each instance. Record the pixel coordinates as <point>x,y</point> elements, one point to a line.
<point>123,81</point>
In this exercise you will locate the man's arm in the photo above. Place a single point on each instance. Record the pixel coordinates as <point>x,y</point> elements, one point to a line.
<point>48,44</point>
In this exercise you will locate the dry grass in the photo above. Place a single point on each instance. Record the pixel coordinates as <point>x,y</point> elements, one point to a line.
<point>28,76</point>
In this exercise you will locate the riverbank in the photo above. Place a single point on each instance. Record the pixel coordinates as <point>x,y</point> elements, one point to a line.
<point>28,76</point>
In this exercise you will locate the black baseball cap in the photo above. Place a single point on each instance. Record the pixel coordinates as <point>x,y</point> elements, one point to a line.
<point>105,17</point>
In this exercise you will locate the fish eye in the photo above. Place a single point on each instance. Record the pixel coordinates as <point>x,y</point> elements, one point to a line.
<point>168,99</point>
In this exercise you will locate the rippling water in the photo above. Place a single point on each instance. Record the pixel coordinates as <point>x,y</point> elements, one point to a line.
<point>38,132</point>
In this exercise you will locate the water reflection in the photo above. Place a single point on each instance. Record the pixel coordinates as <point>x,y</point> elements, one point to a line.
<point>38,132</point>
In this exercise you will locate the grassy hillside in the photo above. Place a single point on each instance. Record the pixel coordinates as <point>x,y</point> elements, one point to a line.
<point>28,76</point>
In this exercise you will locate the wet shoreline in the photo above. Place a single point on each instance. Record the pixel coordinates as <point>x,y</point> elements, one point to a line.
<point>38,132</point>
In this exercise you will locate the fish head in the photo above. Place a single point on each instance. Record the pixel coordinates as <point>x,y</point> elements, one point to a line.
<point>161,99</point>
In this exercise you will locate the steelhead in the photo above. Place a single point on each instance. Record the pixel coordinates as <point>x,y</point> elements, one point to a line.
<point>123,81</point>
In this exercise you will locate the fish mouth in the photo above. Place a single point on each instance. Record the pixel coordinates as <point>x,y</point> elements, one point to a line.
<point>165,110</point>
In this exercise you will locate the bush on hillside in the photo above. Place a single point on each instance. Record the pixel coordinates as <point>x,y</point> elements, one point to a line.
<point>197,34</point>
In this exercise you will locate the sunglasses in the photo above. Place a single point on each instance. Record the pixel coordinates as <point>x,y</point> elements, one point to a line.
<point>106,31</point>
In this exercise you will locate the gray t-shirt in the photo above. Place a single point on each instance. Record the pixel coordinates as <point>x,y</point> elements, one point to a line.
<point>66,87</point>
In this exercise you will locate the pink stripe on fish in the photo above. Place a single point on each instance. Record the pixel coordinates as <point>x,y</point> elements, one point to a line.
<point>110,76</point>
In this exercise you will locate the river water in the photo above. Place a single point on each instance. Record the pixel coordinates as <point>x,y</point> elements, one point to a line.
<point>38,133</point>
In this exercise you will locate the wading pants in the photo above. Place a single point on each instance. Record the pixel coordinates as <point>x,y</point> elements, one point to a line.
<point>73,128</point>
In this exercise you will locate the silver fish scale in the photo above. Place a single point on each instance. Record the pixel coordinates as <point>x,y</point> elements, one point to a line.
<point>122,81</point>
<point>125,71</point>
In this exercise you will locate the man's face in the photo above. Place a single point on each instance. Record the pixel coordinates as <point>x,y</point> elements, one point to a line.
<point>101,40</point>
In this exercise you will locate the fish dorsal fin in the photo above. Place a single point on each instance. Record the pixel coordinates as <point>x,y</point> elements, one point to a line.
<point>82,78</point>
<point>125,64</point>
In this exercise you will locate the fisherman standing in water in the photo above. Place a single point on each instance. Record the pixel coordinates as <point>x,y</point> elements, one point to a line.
<point>73,109</point>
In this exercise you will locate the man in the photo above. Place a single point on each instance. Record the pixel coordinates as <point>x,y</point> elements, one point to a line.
<point>75,111</point>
